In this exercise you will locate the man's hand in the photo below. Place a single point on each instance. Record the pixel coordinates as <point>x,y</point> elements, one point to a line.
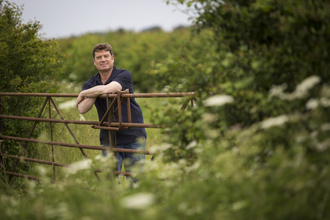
<point>79,99</point>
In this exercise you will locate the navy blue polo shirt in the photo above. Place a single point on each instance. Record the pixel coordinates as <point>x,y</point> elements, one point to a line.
<point>124,136</point>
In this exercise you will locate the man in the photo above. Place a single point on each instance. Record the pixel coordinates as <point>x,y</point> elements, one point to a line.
<point>110,79</point>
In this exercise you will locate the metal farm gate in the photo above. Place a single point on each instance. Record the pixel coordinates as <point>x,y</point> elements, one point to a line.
<point>120,97</point>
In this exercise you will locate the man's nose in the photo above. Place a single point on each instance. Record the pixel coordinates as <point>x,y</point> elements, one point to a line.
<point>103,59</point>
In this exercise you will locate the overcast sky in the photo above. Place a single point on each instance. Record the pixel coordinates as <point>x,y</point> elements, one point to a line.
<point>64,18</point>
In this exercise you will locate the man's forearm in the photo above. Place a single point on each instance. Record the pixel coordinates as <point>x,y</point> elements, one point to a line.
<point>87,97</point>
<point>99,90</point>
<point>85,105</point>
<point>93,92</point>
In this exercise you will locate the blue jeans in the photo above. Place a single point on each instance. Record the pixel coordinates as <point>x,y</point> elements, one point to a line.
<point>129,159</point>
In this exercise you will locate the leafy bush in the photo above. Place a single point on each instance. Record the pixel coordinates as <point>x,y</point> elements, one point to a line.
<point>27,64</point>
<point>271,58</point>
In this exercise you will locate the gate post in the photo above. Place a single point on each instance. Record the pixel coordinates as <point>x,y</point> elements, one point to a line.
<point>112,133</point>
<point>2,165</point>
<point>51,134</point>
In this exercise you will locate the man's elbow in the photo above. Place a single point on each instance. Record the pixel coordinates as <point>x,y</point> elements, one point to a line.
<point>82,110</point>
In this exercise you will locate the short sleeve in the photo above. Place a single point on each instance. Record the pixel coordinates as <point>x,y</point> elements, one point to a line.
<point>86,85</point>
<point>124,78</point>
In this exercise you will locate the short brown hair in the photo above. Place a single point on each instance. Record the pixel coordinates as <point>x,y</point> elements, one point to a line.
<point>102,46</point>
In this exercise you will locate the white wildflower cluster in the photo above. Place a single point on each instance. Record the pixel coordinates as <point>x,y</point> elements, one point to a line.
<point>159,148</point>
<point>300,92</point>
<point>325,127</point>
<point>323,145</point>
<point>191,145</point>
<point>207,117</point>
<point>236,206</point>
<point>218,100</point>
<point>12,206</point>
<point>174,170</point>
<point>275,121</point>
<point>45,180</point>
<point>151,166</point>
<point>193,167</point>
<point>314,103</point>
<point>110,158</point>
<point>166,88</point>
<point>171,170</point>
<point>58,211</point>
<point>138,201</point>
<point>197,148</point>
<point>77,166</point>
<point>42,170</point>
<point>324,101</point>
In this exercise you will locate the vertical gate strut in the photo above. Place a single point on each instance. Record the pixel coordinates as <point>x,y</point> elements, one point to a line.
<point>30,134</point>
<point>51,135</point>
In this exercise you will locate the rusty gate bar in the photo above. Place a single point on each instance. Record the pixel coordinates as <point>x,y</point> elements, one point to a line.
<point>135,95</point>
<point>108,110</point>
<point>38,94</point>
<point>114,124</point>
<point>22,175</point>
<point>156,95</point>
<point>91,147</point>
<point>105,128</point>
<point>65,121</point>
<point>126,125</point>
<point>38,179</point>
<point>27,176</point>
<point>57,164</point>
<point>37,160</point>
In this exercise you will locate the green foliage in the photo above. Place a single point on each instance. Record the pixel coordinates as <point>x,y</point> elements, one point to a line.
<point>271,58</point>
<point>27,64</point>
<point>237,54</point>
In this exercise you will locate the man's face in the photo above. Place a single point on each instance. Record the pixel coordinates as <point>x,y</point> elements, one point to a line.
<point>103,60</point>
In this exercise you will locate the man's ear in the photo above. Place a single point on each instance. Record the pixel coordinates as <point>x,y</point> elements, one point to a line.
<point>94,61</point>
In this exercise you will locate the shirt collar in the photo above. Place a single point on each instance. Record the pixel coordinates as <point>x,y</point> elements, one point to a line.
<point>98,78</point>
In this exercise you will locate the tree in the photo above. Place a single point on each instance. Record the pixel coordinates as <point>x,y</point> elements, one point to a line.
<point>269,61</point>
<point>27,64</point>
